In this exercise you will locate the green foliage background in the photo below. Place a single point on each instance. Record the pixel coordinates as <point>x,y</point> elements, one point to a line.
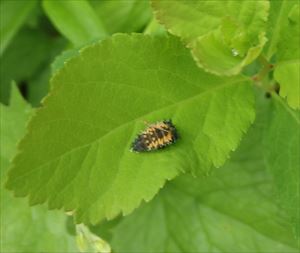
<point>78,80</point>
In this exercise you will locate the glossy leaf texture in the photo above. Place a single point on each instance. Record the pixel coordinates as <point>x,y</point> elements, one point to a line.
<point>232,210</point>
<point>12,16</point>
<point>287,69</point>
<point>23,228</point>
<point>223,37</point>
<point>282,149</point>
<point>98,105</point>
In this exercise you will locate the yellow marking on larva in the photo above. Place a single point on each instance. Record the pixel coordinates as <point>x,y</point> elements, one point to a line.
<point>162,128</point>
<point>153,144</point>
<point>156,145</point>
<point>150,145</point>
<point>161,125</point>
<point>160,141</point>
<point>168,138</point>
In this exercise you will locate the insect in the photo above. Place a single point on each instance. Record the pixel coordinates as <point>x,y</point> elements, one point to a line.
<point>156,136</point>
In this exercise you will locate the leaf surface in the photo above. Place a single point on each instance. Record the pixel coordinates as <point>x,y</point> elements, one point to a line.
<point>287,70</point>
<point>232,210</point>
<point>97,106</point>
<point>223,37</point>
<point>25,229</point>
<point>282,149</point>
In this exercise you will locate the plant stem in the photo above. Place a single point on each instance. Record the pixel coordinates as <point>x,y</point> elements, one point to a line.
<point>266,68</point>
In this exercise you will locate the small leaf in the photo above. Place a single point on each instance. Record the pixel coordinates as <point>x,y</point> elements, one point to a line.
<point>25,229</point>
<point>282,149</point>
<point>230,211</point>
<point>210,50</point>
<point>76,20</point>
<point>97,106</point>
<point>199,24</point>
<point>12,16</point>
<point>287,70</point>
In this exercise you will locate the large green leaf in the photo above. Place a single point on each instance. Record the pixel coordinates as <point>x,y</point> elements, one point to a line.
<point>25,229</point>
<point>97,107</point>
<point>224,37</point>
<point>282,149</point>
<point>76,20</point>
<point>287,70</point>
<point>230,211</point>
<point>13,13</point>
<point>123,16</point>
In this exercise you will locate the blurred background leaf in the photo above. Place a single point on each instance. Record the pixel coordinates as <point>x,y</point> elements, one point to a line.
<point>279,10</point>
<point>28,56</point>
<point>13,13</point>
<point>26,229</point>
<point>123,16</point>
<point>25,59</point>
<point>76,20</point>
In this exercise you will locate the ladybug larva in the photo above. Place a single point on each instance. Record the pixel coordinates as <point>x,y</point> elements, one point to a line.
<point>156,136</point>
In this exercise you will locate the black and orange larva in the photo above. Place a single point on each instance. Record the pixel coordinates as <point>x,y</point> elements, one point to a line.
<point>156,136</point>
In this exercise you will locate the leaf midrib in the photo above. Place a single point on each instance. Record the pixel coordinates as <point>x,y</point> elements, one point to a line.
<point>242,78</point>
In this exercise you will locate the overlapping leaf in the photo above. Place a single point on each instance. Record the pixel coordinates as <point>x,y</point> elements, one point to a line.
<point>282,149</point>
<point>224,37</point>
<point>233,210</point>
<point>287,71</point>
<point>97,106</point>
<point>25,229</point>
